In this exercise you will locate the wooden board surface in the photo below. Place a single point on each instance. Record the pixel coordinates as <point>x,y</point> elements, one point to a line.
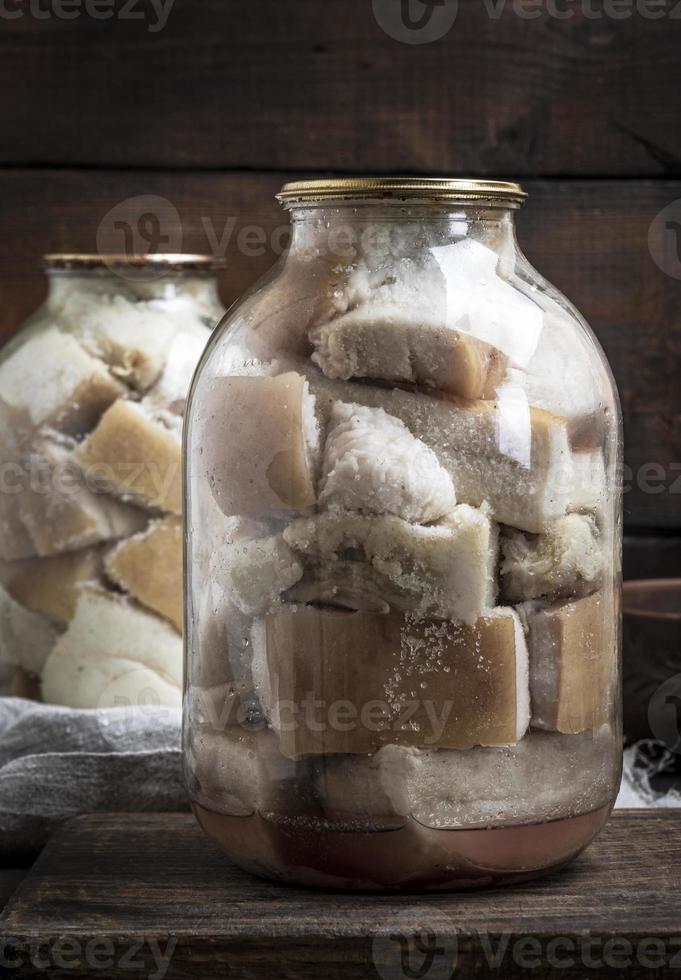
<point>590,238</point>
<point>310,85</point>
<point>10,879</point>
<point>140,880</point>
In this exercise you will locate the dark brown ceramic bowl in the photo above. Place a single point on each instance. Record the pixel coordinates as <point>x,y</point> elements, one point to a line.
<point>652,659</point>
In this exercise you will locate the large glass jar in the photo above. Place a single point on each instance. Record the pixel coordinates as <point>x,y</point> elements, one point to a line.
<point>403,552</point>
<point>92,397</point>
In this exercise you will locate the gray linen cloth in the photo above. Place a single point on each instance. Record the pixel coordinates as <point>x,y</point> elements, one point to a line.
<point>58,762</point>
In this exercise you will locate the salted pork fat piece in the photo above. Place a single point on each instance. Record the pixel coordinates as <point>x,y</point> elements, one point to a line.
<point>51,585</point>
<point>372,463</point>
<point>133,338</point>
<point>74,388</point>
<point>383,342</point>
<point>15,541</point>
<point>545,776</point>
<point>452,316</point>
<point>446,569</point>
<point>514,457</point>
<point>223,637</point>
<point>62,512</point>
<point>26,637</point>
<point>216,708</point>
<point>571,663</point>
<point>114,653</point>
<point>148,566</point>
<point>352,682</point>
<point>345,584</point>
<point>374,787</point>
<point>170,391</point>
<point>590,491</point>
<point>566,559</point>
<point>485,304</point>
<point>563,378</point>
<point>240,771</point>
<point>256,571</point>
<point>16,433</point>
<point>260,443</point>
<point>136,457</point>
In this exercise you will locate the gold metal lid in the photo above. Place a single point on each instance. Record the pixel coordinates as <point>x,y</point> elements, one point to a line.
<point>167,262</point>
<point>502,192</point>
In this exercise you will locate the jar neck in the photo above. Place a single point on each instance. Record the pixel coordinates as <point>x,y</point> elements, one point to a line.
<point>347,232</point>
<point>171,287</point>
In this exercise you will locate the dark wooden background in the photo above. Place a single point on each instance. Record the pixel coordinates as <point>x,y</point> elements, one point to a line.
<point>214,111</point>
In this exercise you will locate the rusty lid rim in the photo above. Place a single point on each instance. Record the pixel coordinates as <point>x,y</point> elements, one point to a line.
<point>93,261</point>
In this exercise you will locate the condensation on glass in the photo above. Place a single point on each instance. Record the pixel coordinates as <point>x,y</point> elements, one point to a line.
<point>403,553</point>
<point>92,397</point>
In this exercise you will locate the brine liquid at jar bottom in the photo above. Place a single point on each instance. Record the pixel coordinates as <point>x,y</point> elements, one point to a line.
<point>412,856</point>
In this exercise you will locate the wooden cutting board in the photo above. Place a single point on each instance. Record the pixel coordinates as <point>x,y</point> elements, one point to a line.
<point>148,895</point>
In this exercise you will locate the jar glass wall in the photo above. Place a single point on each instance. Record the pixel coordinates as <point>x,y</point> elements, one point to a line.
<point>403,553</point>
<point>92,397</point>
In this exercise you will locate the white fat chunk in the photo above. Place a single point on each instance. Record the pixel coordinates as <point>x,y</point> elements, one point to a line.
<point>223,649</point>
<point>256,571</point>
<point>468,440</point>
<point>62,513</point>
<point>15,542</point>
<point>114,653</point>
<point>352,585</point>
<point>545,776</point>
<point>372,463</point>
<point>170,391</point>
<point>132,338</point>
<point>589,491</point>
<point>457,289</point>
<point>352,288</point>
<point>77,680</point>
<point>483,304</point>
<point>374,786</point>
<point>565,559</point>
<point>446,569</point>
<point>16,433</point>
<point>73,387</point>
<point>240,771</point>
<point>384,339</point>
<point>560,378</point>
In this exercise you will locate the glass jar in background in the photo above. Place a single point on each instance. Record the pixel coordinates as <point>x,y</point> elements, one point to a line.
<point>92,397</point>
<point>403,552</point>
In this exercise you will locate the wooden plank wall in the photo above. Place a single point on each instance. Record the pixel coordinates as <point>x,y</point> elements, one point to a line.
<point>215,108</point>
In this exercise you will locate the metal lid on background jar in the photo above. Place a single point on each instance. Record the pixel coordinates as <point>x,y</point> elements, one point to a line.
<point>501,192</point>
<point>179,262</point>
